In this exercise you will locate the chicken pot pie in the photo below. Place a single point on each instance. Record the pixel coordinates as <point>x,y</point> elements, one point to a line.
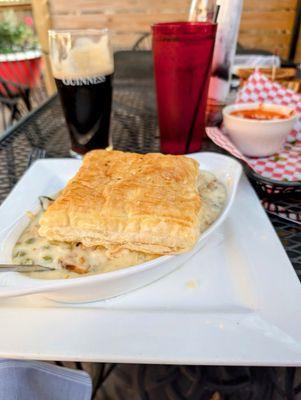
<point>123,209</point>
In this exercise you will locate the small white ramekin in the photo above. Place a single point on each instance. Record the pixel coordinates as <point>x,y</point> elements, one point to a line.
<point>258,138</point>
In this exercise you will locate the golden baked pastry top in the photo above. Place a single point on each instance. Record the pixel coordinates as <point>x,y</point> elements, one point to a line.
<point>147,203</point>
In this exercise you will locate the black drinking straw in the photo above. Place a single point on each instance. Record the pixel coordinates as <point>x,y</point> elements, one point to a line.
<point>216,13</point>
<point>195,113</point>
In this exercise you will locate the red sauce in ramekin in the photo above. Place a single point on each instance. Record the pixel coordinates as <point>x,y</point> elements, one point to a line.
<point>260,114</point>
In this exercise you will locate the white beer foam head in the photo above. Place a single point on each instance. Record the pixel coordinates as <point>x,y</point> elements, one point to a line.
<point>86,58</point>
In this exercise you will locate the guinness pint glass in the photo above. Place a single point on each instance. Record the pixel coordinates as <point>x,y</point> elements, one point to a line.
<point>82,65</point>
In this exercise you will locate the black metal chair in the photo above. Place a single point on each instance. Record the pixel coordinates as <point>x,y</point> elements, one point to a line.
<point>144,42</point>
<point>17,97</point>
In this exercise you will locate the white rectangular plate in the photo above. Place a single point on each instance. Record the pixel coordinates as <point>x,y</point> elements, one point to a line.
<point>236,302</point>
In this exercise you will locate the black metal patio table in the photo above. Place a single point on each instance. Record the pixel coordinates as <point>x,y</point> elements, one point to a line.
<point>134,128</point>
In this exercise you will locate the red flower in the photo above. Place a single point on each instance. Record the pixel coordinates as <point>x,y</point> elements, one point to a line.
<point>28,21</point>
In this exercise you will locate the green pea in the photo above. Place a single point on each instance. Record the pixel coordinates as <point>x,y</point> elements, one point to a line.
<point>30,240</point>
<point>47,258</point>
<point>20,253</point>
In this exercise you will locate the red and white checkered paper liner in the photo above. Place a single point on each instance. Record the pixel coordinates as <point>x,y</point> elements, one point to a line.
<point>285,165</point>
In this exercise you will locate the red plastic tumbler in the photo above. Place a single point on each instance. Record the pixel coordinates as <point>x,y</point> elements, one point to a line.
<point>183,54</point>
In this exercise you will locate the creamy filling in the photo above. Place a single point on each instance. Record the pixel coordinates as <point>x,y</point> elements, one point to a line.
<point>74,260</point>
<point>69,259</point>
<point>213,195</point>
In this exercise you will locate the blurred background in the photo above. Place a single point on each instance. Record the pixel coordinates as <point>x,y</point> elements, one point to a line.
<point>267,28</point>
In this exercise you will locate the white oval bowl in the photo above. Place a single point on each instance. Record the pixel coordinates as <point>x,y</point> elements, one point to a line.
<point>256,138</point>
<point>111,284</point>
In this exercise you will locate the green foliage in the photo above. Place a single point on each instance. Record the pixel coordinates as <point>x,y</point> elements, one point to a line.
<point>15,35</point>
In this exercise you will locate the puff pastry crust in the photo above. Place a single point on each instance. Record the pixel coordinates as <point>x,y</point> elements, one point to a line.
<point>148,203</point>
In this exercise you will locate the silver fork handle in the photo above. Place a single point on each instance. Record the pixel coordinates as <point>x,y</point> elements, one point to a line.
<point>23,268</point>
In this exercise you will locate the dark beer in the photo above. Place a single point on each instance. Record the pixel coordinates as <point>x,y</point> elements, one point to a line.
<point>87,105</point>
<point>82,64</point>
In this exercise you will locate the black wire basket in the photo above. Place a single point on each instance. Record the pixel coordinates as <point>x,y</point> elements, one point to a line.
<point>269,186</point>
